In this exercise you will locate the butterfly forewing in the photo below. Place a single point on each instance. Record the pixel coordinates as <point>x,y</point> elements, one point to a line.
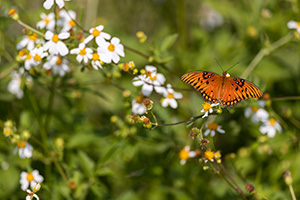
<point>207,83</point>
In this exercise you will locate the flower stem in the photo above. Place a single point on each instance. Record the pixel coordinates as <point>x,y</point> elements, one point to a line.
<point>265,51</point>
<point>30,28</point>
<point>292,192</point>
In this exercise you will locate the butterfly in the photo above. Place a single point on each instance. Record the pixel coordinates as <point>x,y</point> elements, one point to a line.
<point>226,90</point>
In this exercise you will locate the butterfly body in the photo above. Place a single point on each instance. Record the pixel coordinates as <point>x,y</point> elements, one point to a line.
<point>226,90</point>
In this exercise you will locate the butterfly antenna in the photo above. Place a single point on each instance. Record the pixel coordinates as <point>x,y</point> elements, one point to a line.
<point>232,66</point>
<point>219,64</point>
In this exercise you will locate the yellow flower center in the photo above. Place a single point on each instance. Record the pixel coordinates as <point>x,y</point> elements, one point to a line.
<point>28,57</point>
<point>7,131</point>
<point>95,56</point>
<point>254,109</point>
<point>217,155</point>
<point>184,154</point>
<point>33,37</point>
<point>298,24</point>
<point>37,58</point>
<point>29,177</point>
<point>209,154</point>
<point>21,145</point>
<point>82,52</point>
<point>55,38</point>
<point>111,47</point>
<point>139,99</point>
<point>170,96</point>
<point>72,23</point>
<point>206,106</point>
<point>152,78</point>
<point>212,126</point>
<point>11,12</point>
<point>21,53</point>
<point>46,20</point>
<point>148,73</point>
<point>96,32</point>
<point>272,121</point>
<point>58,61</point>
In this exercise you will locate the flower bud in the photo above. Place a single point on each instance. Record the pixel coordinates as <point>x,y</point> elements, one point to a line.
<point>13,14</point>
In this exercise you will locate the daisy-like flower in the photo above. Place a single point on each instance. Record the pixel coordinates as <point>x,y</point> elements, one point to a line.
<point>258,114</point>
<point>209,155</point>
<point>24,149</point>
<point>150,80</point>
<point>270,127</point>
<point>57,65</point>
<point>14,86</point>
<point>37,55</point>
<point>49,3</point>
<point>170,97</point>
<point>207,108</point>
<point>54,44</point>
<point>111,51</point>
<point>48,21</point>
<point>98,34</point>
<point>294,25</point>
<point>67,20</point>
<point>212,128</point>
<point>30,178</point>
<point>137,106</point>
<point>31,195</point>
<point>185,154</point>
<point>83,53</point>
<point>96,62</point>
<point>29,41</point>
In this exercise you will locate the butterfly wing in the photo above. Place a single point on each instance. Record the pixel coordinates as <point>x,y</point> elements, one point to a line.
<point>237,89</point>
<point>207,83</point>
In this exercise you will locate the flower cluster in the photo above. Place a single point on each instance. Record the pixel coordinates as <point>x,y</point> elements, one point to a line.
<point>269,125</point>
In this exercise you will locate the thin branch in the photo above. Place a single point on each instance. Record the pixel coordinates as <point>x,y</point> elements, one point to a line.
<point>176,123</point>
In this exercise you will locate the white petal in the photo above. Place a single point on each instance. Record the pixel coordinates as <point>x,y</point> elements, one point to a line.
<point>48,35</point>
<point>182,162</point>
<point>79,58</point>
<point>115,58</point>
<point>75,51</point>
<point>178,95</point>
<point>88,39</point>
<point>206,132</point>
<point>60,3</point>
<point>105,35</point>
<point>278,127</point>
<point>115,41</point>
<point>292,24</point>
<point>262,115</point>
<point>173,103</point>
<point>192,154</point>
<point>248,112</point>
<point>160,78</point>
<point>22,43</point>
<point>150,68</point>
<point>147,89</point>
<point>220,130</point>
<point>159,89</point>
<point>271,132</point>
<point>62,48</point>
<point>120,50</point>
<point>138,82</point>
<point>212,133</point>
<point>264,129</point>
<point>63,35</point>
<point>48,4</point>
<point>165,103</point>
<point>205,114</point>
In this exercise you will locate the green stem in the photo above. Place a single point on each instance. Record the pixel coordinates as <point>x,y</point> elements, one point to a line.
<point>30,28</point>
<point>265,51</point>
<point>50,102</point>
<point>292,192</point>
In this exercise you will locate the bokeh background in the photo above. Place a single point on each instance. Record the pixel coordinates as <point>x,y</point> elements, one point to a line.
<point>113,159</point>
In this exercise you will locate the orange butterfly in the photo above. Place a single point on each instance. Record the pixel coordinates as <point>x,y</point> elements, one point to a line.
<point>224,89</point>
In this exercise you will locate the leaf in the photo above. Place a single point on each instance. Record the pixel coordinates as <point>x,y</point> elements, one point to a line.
<point>109,154</point>
<point>168,42</point>
<point>87,163</point>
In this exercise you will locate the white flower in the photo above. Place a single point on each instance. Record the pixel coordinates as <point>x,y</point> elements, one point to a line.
<point>31,179</point>
<point>212,128</point>
<point>150,80</point>
<point>258,114</point>
<point>67,20</point>
<point>294,25</point>
<point>137,106</point>
<point>24,149</point>
<point>48,21</point>
<point>170,97</point>
<point>54,45</point>
<point>270,127</point>
<point>49,3</point>
<point>96,62</point>
<point>98,34</point>
<point>185,154</point>
<point>57,64</point>
<point>34,57</point>
<point>29,41</point>
<point>30,195</point>
<point>14,86</point>
<point>83,53</point>
<point>111,51</point>
<point>210,18</point>
<point>207,108</point>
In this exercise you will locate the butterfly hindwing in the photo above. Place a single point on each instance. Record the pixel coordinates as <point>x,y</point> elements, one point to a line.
<point>207,83</point>
<point>237,89</point>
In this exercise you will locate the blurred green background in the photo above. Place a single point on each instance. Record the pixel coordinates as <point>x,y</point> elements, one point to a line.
<point>126,161</point>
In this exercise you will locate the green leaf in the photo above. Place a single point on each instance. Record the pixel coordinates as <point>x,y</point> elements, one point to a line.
<point>87,163</point>
<point>168,42</point>
<point>109,154</point>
